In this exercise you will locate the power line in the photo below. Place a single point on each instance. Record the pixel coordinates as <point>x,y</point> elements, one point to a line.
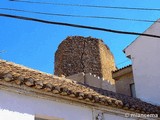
<point>79,16</point>
<point>77,26</point>
<point>88,6</point>
<point>120,63</point>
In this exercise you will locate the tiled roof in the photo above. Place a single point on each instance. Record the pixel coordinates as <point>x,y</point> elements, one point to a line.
<point>122,68</point>
<point>117,74</point>
<point>20,75</point>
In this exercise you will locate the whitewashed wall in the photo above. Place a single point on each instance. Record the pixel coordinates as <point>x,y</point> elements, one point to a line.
<point>15,106</point>
<point>113,117</point>
<point>145,56</point>
<point>19,107</point>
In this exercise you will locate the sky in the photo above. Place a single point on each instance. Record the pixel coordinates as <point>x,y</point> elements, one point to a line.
<point>33,44</point>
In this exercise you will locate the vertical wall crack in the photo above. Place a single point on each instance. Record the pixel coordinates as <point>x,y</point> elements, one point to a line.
<point>82,55</point>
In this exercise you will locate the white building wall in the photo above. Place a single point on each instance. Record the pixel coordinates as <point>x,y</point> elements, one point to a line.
<point>145,56</point>
<point>113,117</point>
<point>8,115</point>
<point>15,106</point>
<point>19,107</point>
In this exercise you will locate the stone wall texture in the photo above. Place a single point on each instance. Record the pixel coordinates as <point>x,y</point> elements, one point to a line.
<point>84,54</point>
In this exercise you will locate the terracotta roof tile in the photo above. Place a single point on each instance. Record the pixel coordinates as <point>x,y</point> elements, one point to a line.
<point>122,68</point>
<point>20,75</point>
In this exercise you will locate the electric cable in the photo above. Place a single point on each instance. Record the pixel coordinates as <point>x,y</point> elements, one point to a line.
<point>89,6</point>
<point>76,25</point>
<point>79,16</point>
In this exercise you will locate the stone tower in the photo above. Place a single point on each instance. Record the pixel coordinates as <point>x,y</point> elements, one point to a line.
<point>84,54</point>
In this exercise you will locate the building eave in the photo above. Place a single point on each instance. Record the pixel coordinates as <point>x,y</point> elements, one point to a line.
<point>13,75</point>
<point>122,71</point>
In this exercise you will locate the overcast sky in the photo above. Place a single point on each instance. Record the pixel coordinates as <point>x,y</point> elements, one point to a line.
<point>33,44</point>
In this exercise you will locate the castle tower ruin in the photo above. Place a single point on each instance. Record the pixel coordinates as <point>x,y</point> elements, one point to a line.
<point>84,54</point>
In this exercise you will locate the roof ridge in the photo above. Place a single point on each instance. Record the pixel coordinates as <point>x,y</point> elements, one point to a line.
<point>14,74</point>
<point>34,70</point>
<point>22,66</point>
<point>122,68</point>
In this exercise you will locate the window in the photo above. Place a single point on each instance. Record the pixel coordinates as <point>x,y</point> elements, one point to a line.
<point>40,118</point>
<point>132,88</point>
<point>43,117</point>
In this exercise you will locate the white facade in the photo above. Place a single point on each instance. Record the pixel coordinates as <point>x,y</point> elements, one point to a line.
<point>145,55</point>
<point>15,106</point>
<point>19,107</point>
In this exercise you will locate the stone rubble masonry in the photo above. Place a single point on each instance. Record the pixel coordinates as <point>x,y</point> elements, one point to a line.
<point>78,54</point>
